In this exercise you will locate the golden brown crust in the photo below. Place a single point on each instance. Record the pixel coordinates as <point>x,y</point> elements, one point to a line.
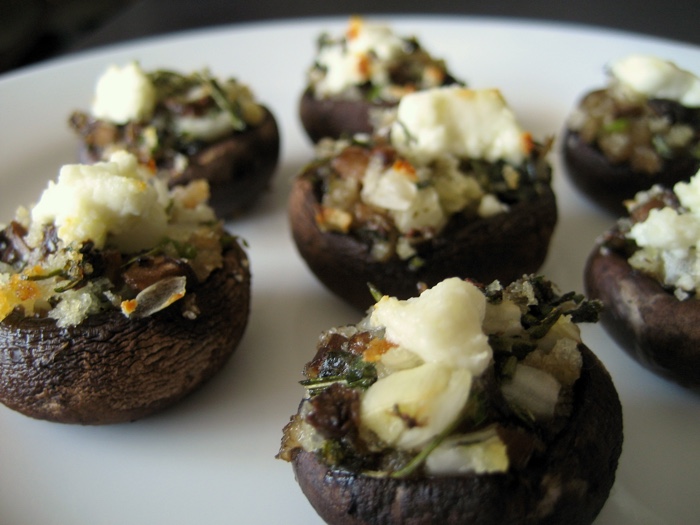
<point>569,487</point>
<point>609,185</point>
<point>503,247</point>
<point>648,322</point>
<point>111,369</point>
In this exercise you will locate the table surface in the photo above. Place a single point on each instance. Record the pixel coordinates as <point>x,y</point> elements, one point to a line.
<point>675,19</point>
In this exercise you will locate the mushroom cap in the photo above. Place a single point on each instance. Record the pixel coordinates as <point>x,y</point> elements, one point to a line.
<point>112,369</point>
<point>655,328</point>
<point>238,167</point>
<point>568,487</point>
<point>335,117</point>
<point>501,247</point>
<point>609,185</point>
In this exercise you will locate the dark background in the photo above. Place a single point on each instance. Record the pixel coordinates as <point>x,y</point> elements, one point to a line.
<point>34,30</point>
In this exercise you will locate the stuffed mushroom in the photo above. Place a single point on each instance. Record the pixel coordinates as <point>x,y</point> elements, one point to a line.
<point>185,127</point>
<point>467,404</point>
<point>118,297</point>
<point>640,130</point>
<point>456,188</point>
<point>645,271</point>
<point>358,75</point>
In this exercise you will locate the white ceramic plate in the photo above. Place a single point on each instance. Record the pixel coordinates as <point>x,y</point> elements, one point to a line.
<point>211,459</point>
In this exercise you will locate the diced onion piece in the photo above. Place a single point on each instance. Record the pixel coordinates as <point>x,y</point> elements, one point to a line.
<point>563,361</point>
<point>533,390</point>
<point>460,454</point>
<point>408,408</point>
<point>502,318</point>
<point>564,328</point>
<point>156,297</point>
<point>300,434</point>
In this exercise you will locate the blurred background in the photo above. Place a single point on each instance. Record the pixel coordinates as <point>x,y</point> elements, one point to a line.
<point>35,30</point>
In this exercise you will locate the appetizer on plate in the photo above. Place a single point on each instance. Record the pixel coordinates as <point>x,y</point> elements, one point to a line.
<point>640,130</point>
<point>186,127</point>
<point>118,297</point>
<point>646,271</point>
<point>357,75</point>
<point>466,404</point>
<point>456,188</point>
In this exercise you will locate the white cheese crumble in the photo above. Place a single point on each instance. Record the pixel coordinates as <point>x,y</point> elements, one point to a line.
<point>442,325</point>
<point>392,189</point>
<point>433,130</point>
<point>117,198</point>
<point>361,57</point>
<point>116,205</point>
<point>455,188</point>
<point>396,190</point>
<point>466,123</point>
<point>442,328</point>
<point>653,77</point>
<point>669,240</point>
<point>124,94</point>
<point>207,128</point>
<point>216,123</point>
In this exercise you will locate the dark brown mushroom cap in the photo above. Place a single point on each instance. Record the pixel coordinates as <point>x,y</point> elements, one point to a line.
<point>238,167</point>
<point>609,185</point>
<point>336,117</point>
<point>648,322</point>
<point>502,247</point>
<point>568,487</point>
<point>111,369</point>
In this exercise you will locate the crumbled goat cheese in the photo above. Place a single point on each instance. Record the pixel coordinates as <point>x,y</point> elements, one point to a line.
<point>443,324</point>
<point>216,123</point>
<point>433,130</point>
<point>92,202</point>
<point>455,188</point>
<point>207,128</point>
<point>442,328</point>
<point>395,190</point>
<point>116,205</point>
<point>653,77</point>
<point>668,240</point>
<point>362,57</point>
<point>466,123</point>
<point>124,94</point>
<point>490,206</point>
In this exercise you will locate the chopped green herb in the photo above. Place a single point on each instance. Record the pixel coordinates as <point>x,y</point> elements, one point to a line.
<point>348,369</point>
<point>411,138</point>
<point>661,146</point>
<point>374,93</point>
<point>232,108</point>
<point>376,294</point>
<point>170,84</point>
<point>415,263</point>
<point>618,125</point>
